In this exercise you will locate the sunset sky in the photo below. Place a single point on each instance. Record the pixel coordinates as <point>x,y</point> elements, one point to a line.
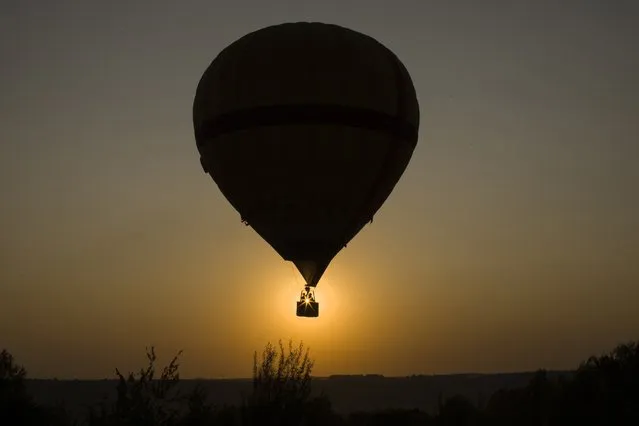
<point>510,243</point>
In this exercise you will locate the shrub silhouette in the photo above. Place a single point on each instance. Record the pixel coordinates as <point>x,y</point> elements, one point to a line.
<point>143,400</point>
<point>390,418</point>
<point>457,411</point>
<point>17,407</point>
<point>281,386</point>
<point>532,405</point>
<point>15,403</point>
<point>605,389</point>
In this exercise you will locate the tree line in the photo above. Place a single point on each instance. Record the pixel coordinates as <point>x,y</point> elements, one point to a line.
<point>603,390</point>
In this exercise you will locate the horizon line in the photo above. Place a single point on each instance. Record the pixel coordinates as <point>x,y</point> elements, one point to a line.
<point>332,376</point>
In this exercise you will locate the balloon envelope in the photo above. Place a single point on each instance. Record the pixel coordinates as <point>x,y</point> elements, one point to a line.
<point>306,128</point>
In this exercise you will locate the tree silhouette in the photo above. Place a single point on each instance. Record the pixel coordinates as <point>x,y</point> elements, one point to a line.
<point>457,411</point>
<point>605,389</point>
<point>17,407</point>
<point>143,400</point>
<point>281,386</point>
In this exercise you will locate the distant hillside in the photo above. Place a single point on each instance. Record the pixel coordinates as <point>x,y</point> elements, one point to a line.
<point>347,393</point>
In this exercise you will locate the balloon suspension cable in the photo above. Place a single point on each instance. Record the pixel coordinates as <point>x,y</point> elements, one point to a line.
<point>307,305</point>
<point>307,295</point>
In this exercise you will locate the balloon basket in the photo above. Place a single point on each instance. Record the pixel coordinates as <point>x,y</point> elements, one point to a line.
<point>307,309</point>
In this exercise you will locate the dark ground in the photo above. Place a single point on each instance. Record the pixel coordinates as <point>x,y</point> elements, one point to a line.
<point>347,393</point>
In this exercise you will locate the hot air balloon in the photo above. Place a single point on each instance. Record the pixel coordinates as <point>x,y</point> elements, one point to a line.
<point>306,128</point>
